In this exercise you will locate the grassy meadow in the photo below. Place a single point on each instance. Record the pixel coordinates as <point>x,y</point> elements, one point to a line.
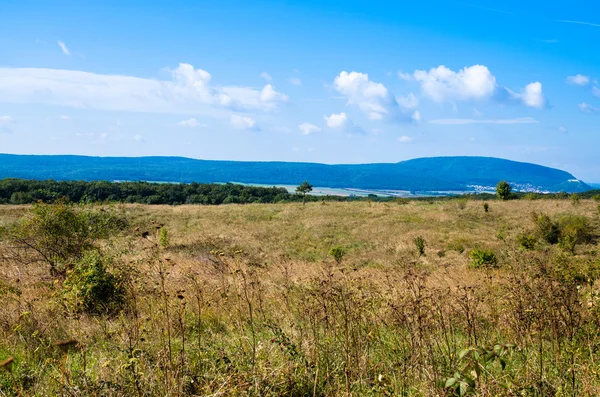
<point>238,300</point>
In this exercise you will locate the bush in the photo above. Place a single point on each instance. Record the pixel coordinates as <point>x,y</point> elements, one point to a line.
<point>61,233</point>
<point>574,229</point>
<point>486,207</point>
<point>575,199</point>
<point>480,257</point>
<point>338,253</point>
<point>546,229</point>
<point>461,203</point>
<point>91,288</point>
<point>420,244</point>
<point>456,246</point>
<point>503,190</point>
<point>526,241</point>
<point>164,237</point>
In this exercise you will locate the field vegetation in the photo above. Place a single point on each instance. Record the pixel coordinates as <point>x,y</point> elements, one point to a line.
<point>364,298</point>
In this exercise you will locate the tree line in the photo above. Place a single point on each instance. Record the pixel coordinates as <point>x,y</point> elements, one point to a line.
<point>20,191</point>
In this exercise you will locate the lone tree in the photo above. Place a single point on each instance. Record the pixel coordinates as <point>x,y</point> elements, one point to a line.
<point>304,188</point>
<point>503,190</point>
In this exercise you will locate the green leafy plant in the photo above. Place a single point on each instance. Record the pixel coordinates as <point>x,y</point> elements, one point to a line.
<point>420,245</point>
<point>526,241</point>
<point>575,199</point>
<point>546,229</point>
<point>60,233</point>
<point>482,257</point>
<point>338,253</point>
<point>164,237</point>
<point>91,288</point>
<point>503,190</point>
<point>475,363</point>
<point>303,189</point>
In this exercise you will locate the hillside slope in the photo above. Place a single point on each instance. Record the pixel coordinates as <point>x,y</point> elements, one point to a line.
<point>424,174</point>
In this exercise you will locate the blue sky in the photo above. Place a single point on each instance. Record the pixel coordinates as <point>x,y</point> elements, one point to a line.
<point>319,81</point>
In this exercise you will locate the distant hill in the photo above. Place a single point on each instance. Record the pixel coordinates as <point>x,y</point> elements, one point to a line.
<point>424,174</point>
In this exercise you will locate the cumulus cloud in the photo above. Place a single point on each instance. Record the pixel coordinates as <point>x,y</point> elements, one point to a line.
<point>441,83</point>
<point>341,122</point>
<point>295,81</point>
<point>596,91</point>
<point>266,76</point>
<point>244,123</point>
<point>190,91</point>
<point>578,79</point>
<point>475,82</point>
<point>405,139</point>
<point>374,99</point>
<point>138,138</point>
<point>65,118</point>
<point>587,108</point>
<point>307,128</point>
<point>191,122</point>
<point>563,130</point>
<point>63,47</point>
<point>521,120</point>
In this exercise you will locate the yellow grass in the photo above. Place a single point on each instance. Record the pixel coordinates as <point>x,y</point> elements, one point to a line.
<point>246,300</point>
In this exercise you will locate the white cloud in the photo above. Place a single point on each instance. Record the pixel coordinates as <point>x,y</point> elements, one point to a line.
<point>191,122</point>
<point>295,81</point>
<point>63,47</point>
<point>596,91</point>
<point>563,130</point>
<point>416,116</point>
<point>6,119</point>
<point>521,120</point>
<point>404,76</point>
<point>405,139</point>
<point>138,138</point>
<point>190,91</point>
<point>65,118</point>
<point>372,98</point>
<point>307,128</point>
<point>341,122</point>
<point>266,76</point>
<point>578,79</point>
<point>408,102</point>
<point>336,120</point>
<point>587,108</point>
<point>244,123</point>
<point>441,83</point>
<point>533,96</point>
<point>475,82</point>
<point>477,113</point>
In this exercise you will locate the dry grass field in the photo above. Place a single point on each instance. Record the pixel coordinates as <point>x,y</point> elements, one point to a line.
<point>250,300</point>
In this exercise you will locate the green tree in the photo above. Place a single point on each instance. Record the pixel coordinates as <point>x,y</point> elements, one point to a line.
<point>503,190</point>
<point>304,188</point>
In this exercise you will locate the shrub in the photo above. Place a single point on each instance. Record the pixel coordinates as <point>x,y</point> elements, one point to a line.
<point>526,241</point>
<point>481,257</point>
<point>503,190</point>
<point>91,288</point>
<point>596,198</point>
<point>461,203</point>
<point>164,237</point>
<point>456,246</point>
<point>575,199</point>
<point>420,244</point>
<point>546,229</point>
<point>531,196</point>
<point>574,229</point>
<point>61,233</point>
<point>338,253</point>
<point>486,207</point>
